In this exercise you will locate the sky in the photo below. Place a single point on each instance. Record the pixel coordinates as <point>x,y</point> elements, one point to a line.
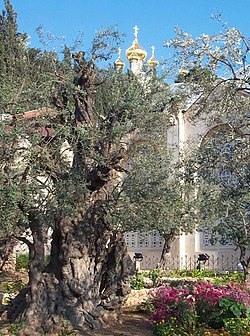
<point>156,19</point>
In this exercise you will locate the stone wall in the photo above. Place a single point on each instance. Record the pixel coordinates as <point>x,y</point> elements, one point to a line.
<point>136,297</point>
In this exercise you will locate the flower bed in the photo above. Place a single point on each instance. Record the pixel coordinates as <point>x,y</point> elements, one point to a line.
<point>201,309</point>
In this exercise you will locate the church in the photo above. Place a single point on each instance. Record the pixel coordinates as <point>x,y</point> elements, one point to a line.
<point>187,249</point>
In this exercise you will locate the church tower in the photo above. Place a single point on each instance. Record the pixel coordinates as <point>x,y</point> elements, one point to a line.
<point>119,64</point>
<point>152,62</point>
<point>136,54</point>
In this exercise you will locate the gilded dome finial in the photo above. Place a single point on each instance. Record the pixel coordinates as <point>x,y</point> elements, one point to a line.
<point>152,62</point>
<point>136,52</point>
<point>119,64</point>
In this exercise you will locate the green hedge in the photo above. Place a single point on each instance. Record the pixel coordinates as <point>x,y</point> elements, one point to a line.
<point>22,261</point>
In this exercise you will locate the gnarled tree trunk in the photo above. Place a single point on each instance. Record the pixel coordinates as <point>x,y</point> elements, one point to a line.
<point>168,241</point>
<point>86,280</point>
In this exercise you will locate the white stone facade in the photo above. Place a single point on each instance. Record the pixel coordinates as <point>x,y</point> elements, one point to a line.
<point>186,248</point>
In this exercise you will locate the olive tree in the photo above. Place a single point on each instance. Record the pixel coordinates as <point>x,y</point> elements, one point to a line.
<point>219,66</point>
<point>62,169</point>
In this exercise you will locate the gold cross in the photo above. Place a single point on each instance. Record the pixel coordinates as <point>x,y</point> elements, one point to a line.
<point>136,31</point>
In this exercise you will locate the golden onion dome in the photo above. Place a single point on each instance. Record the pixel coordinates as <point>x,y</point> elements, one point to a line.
<point>152,62</point>
<point>136,52</point>
<point>119,64</point>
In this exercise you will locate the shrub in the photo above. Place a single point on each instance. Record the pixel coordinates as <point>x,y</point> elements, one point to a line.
<point>229,278</point>
<point>13,286</point>
<point>145,307</point>
<point>195,273</point>
<point>216,303</point>
<point>22,261</point>
<point>237,327</point>
<point>137,281</point>
<point>172,327</point>
<point>199,275</point>
<point>154,275</point>
<point>215,306</point>
<point>174,303</point>
<point>207,298</point>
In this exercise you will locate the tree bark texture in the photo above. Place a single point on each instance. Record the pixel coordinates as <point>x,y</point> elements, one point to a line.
<point>168,241</point>
<point>7,260</point>
<point>86,280</point>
